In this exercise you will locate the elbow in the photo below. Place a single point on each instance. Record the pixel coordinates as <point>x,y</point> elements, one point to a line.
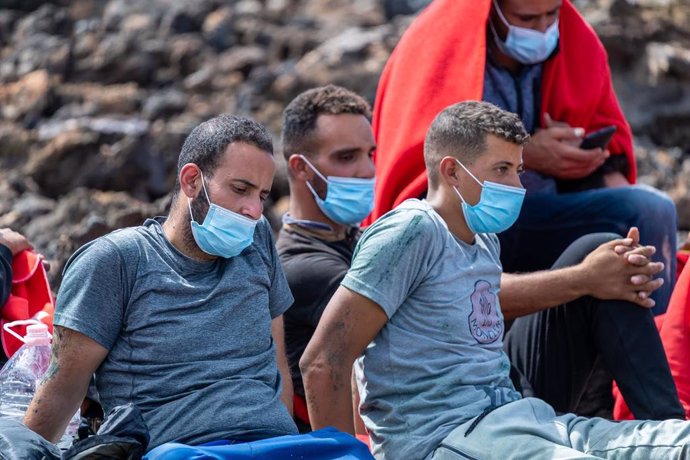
<point>314,369</point>
<point>306,366</point>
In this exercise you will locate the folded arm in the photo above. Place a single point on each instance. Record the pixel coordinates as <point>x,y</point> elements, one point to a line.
<point>75,357</point>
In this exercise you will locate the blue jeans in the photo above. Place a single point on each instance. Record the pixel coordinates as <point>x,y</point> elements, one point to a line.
<point>548,224</point>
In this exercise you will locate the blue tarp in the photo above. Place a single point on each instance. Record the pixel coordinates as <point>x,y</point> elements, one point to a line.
<point>327,443</point>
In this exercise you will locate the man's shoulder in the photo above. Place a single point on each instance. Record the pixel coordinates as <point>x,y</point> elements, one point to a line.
<point>115,247</point>
<point>292,241</point>
<point>413,218</point>
<point>307,255</point>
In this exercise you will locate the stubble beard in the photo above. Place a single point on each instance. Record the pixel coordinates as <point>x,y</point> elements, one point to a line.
<point>199,210</point>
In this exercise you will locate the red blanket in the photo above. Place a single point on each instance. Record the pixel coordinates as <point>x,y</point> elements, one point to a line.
<point>31,298</point>
<point>440,61</point>
<point>674,329</point>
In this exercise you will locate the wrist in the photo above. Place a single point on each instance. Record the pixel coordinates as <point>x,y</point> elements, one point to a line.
<point>579,276</point>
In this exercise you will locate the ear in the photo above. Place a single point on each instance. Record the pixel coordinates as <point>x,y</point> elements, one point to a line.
<point>190,180</point>
<point>299,169</point>
<point>449,171</point>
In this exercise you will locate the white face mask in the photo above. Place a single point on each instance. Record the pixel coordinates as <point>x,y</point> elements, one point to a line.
<point>526,46</point>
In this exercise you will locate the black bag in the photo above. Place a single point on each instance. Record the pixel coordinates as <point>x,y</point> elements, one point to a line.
<point>123,435</point>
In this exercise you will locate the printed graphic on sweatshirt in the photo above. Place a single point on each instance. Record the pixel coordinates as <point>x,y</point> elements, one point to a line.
<point>485,324</point>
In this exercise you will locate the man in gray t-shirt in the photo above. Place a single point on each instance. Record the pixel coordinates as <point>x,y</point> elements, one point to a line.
<point>421,312</point>
<point>443,331</point>
<point>182,316</point>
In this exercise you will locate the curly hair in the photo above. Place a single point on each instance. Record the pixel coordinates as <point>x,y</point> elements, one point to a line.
<point>299,117</point>
<point>460,130</point>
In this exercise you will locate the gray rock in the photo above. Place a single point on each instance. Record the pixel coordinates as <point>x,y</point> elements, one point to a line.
<point>8,19</point>
<point>218,29</point>
<point>164,104</point>
<point>38,52</point>
<point>242,59</point>
<point>49,20</point>
<point>15,145</point>
<point>25,100</point>
<point>100,125</point>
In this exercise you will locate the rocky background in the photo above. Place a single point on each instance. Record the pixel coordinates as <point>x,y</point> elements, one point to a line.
<point>97,96</point>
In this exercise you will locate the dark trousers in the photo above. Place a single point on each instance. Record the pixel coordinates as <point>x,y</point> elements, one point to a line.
<point>555,352</point>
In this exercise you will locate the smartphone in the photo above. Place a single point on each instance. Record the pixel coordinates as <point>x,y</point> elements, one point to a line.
<point>598,139</point>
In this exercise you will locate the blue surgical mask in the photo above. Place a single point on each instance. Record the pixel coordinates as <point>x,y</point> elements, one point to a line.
<point>224,233</point>
<point>498,208</point>
<point>526,46</point>
<point>348,199</point>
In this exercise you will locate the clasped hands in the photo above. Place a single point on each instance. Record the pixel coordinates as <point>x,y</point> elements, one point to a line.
<point>623,269</point>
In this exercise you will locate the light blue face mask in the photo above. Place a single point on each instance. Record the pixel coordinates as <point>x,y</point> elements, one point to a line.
<point>348,199</point>
<point>527,46</point>
<point>498,208</point>
<point>224,233</point>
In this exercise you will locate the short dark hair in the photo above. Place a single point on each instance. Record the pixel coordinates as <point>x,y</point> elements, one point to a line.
<point>461,129</point>
<point>299,117</point>
<point>207,142</point>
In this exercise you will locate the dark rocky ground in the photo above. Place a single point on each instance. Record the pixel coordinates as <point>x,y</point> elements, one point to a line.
<point>97,96</point>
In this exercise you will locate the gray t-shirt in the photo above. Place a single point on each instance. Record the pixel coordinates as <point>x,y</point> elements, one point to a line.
<point>439,360</point>
<point>189,341</point>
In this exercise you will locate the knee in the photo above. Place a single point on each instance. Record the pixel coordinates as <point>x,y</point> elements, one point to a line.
<point>647,202</point>
<point>590,242</point>
<point>581,247</point>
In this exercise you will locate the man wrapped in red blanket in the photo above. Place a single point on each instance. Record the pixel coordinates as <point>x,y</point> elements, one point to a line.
<point>541,60</point>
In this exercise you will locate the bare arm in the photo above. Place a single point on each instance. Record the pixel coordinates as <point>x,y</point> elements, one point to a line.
<point>349,323</point>
<point>75,357</point>
<point>615,270</point>
<point>16,242</point>
<point>357,419</point>
<point>525,293</point>
<point>278,331</point>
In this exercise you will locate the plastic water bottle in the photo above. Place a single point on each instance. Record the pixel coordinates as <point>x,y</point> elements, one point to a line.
<point>21,375</point>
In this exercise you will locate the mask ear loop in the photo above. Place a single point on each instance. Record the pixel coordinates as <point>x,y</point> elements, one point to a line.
<point>497,39</point>
<point>468,172</point>
<point>455,188</point>
<point>313,168</point>
<point>500,14</point>
<point>311,187</point>
<point>189,200</point>
<point>471,175</point>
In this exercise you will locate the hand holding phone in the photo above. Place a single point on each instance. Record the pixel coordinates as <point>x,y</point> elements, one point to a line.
<point>598,139</point>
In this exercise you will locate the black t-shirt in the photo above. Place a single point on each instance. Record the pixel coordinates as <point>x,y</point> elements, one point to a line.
<point>314,268</point>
